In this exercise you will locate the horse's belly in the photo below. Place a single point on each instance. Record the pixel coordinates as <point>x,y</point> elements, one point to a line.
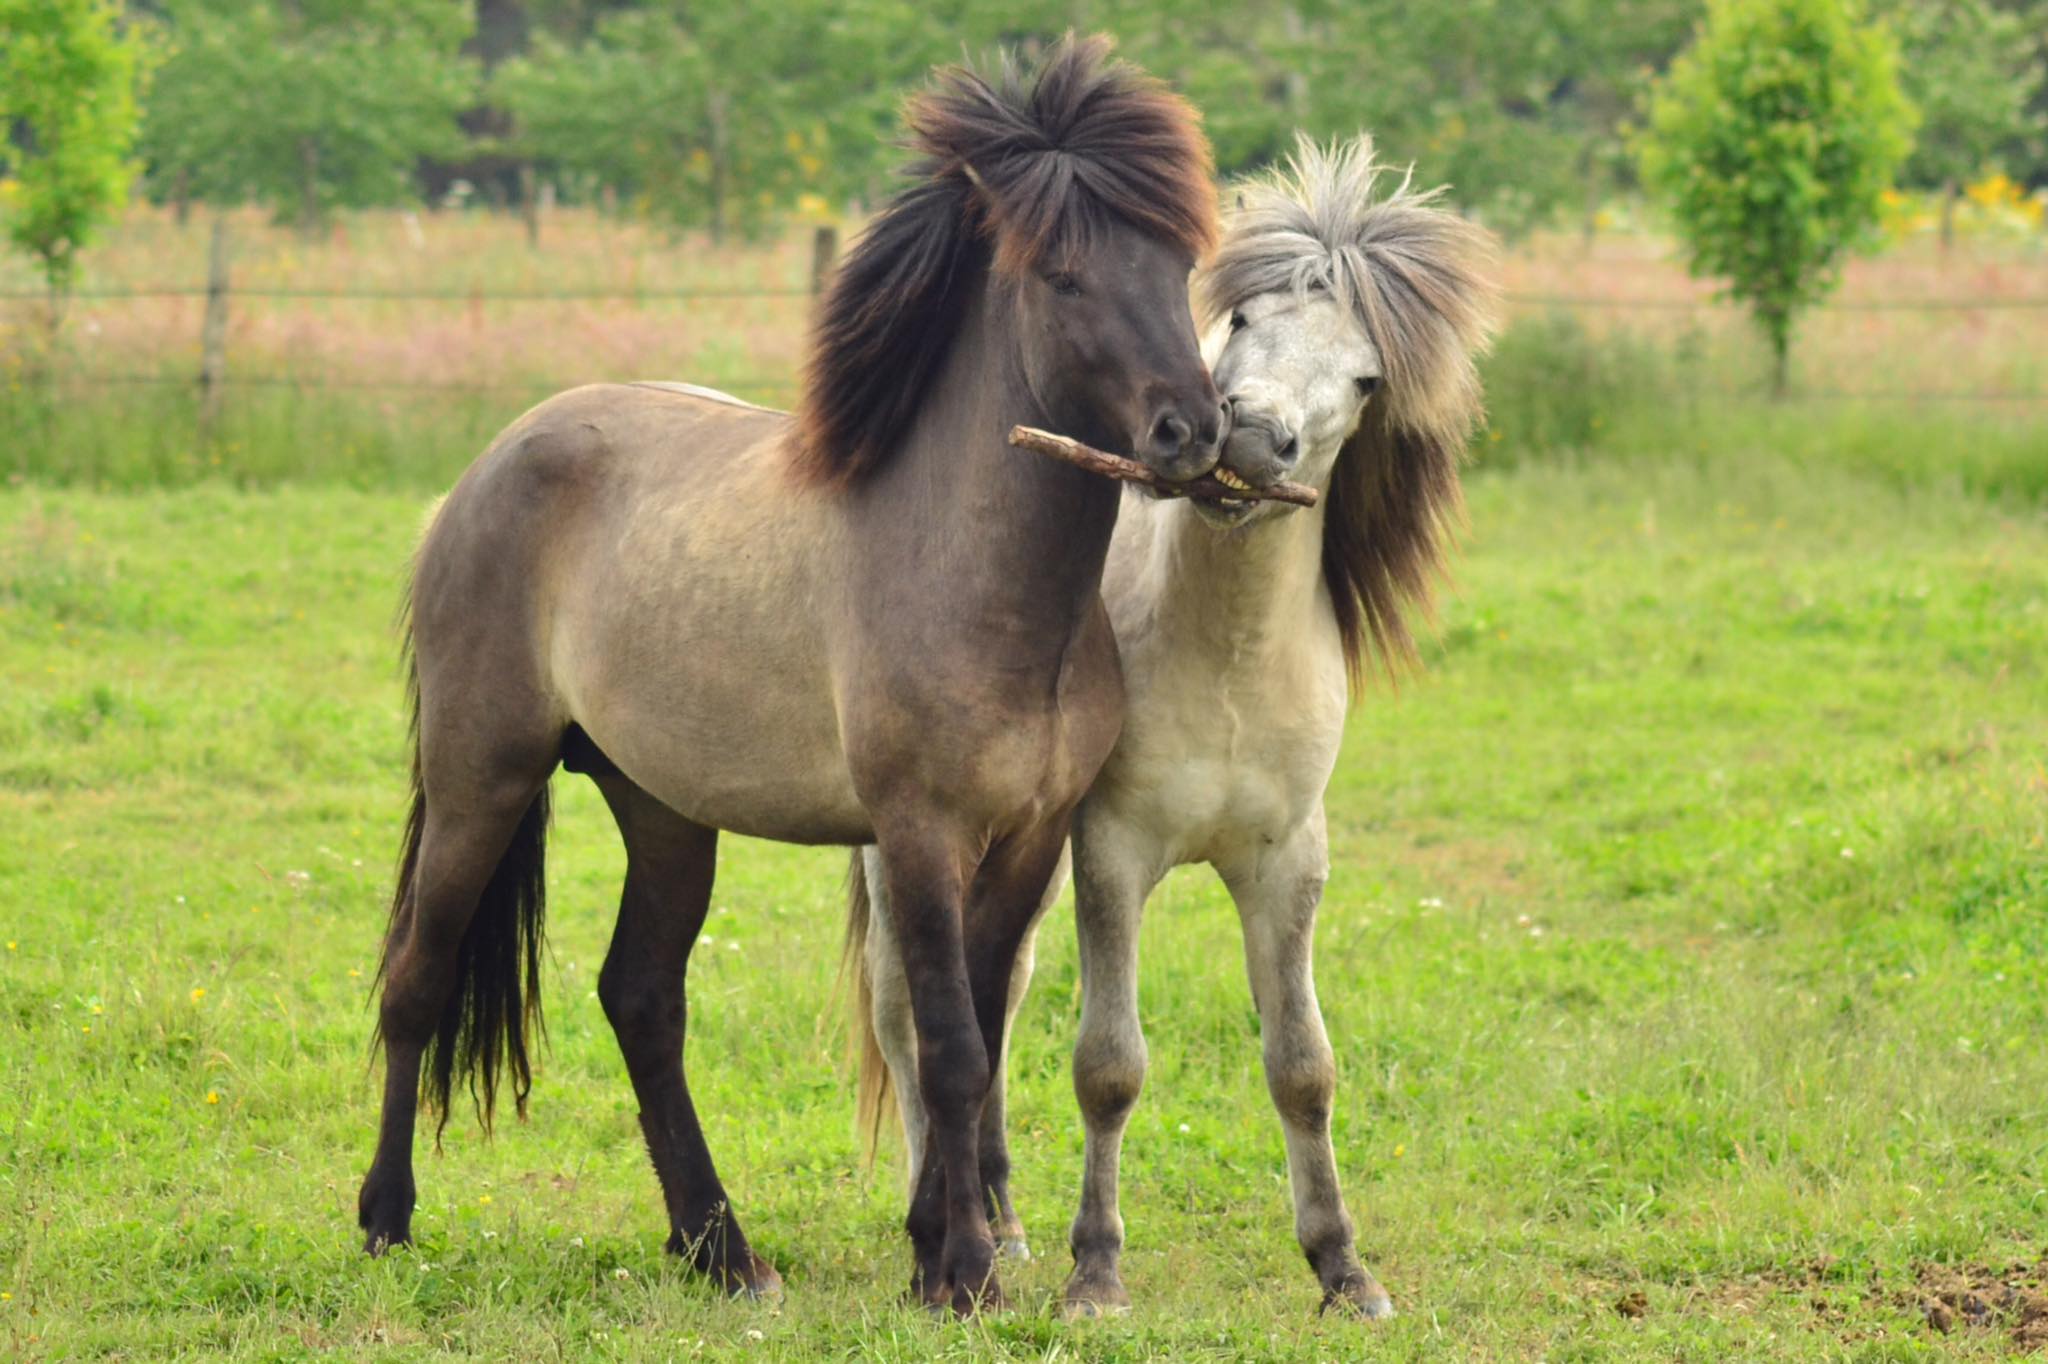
<point>756,770</point>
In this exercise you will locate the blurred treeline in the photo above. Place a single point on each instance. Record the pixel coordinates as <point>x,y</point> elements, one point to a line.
<point>732,115</point>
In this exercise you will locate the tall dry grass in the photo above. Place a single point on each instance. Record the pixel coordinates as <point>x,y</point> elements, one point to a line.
<point>1610,347</point>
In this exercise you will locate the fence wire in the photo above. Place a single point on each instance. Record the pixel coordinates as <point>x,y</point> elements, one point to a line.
<point>782,386</point>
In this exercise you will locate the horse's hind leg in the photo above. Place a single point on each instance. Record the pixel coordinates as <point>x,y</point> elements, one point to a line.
<point>669,867</point>
<point>995,1137</point>
<point>1277,897</point>
<point>889,1014</point>
<point>465,831</point>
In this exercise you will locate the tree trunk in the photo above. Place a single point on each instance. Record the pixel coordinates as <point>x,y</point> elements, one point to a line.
<point>715,111</point>
<point>1948,215</point>
<point>1595,191</point>
<point>1296,80</point>
<point>309,188</point>
<point>181,196</point>
<point>1780,332</point>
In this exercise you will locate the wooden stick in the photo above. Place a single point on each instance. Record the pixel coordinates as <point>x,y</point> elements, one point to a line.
<point>1130,471</point>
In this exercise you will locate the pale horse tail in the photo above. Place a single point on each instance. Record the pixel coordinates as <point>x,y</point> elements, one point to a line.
<point>875,1088</point>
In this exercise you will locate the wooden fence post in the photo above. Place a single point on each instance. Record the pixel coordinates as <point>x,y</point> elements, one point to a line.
<point>213,334</point>
<point>824,249</point>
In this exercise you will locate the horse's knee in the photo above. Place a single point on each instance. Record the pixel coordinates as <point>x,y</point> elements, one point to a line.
<point>1109,1072</point>
<point>1302,1078</point>
<point>953,1075</point>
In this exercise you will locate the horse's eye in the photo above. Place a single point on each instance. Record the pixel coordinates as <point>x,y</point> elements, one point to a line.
<point>1237,323</point>
<point>1368,384</point>
<point>1064,284</point>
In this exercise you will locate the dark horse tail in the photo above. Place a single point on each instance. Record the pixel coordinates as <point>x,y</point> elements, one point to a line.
<point>871,1097</point>
<point>492,1017</point>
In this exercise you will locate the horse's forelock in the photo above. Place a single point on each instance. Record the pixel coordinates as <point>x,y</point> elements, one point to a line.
<point>1053,155</point>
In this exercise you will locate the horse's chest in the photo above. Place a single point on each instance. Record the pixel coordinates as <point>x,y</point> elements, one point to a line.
<point>1208,793</point>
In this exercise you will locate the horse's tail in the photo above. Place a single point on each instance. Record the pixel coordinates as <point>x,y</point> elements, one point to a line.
<point>493,1014</point>
<point>874,1090</point>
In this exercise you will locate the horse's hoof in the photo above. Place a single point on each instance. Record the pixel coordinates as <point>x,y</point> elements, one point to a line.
<point>384,1212</point>
<point>760,1284</point>
<point>967,1303</point>
<point>1015,1248</point>
<point>377,1241</point>
<point>1094,1297</point>
<point>1360,1298</point>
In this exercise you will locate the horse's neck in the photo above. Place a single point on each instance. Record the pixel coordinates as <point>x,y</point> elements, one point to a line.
<point>1016,538</point>
<point>1241,593</point>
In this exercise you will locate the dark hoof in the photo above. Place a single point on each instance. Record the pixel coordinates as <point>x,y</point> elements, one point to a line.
<point>1361,1297</point>
<point>968,1302</point>
<point>1096,1294</point>
<point>736,1269</point>
<point>964,1289</point>
<point>384,1212</point>
<point>376,1241</point>
<point>760,1284</point>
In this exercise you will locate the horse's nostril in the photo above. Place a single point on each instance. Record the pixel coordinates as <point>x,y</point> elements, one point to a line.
<point>1171,433</point>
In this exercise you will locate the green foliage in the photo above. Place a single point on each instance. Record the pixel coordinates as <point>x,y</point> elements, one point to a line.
<point>1517,105</point>
<point>719,114</point>
<point>309,106</point>
<point>68,75</point>
<point>1970,68</point>
<point>1772,139</point>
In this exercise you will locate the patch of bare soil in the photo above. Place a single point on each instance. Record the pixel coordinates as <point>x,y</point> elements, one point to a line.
<point>2013,1300</point>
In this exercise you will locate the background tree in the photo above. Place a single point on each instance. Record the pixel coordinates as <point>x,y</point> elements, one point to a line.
<point>1772,140</point>
<point>306,105</point>
<point>68,76</point>
<point>1970,69</point>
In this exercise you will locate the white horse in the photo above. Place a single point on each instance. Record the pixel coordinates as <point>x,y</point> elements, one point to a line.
<point>1341,325</point>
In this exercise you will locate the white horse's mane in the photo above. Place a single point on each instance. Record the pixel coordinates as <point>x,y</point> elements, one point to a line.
<point>1423,283</point>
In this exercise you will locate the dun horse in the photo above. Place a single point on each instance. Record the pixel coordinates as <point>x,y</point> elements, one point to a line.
<point>1342,327</point>
<point>872,622</point>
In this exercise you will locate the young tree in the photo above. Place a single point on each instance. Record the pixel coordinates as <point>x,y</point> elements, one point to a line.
<point>68,72</point>
<point>309,105</point>
<point>1970,68</point>
<point>1771,140</point>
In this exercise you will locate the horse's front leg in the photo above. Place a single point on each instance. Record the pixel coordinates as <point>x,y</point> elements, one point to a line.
<point>896,1037</point>
<point>1017,885</point>
<point>926,875</point>
<point>1115,868</point>
<point>1278,891</point>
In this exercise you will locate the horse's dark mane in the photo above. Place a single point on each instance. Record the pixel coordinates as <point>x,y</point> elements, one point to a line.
<point>1014,171</point>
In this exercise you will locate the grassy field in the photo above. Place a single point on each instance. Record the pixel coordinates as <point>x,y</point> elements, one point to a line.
<point>1686,956</point>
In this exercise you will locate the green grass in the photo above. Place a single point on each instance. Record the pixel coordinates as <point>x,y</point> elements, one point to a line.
<point>1688,934</point>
